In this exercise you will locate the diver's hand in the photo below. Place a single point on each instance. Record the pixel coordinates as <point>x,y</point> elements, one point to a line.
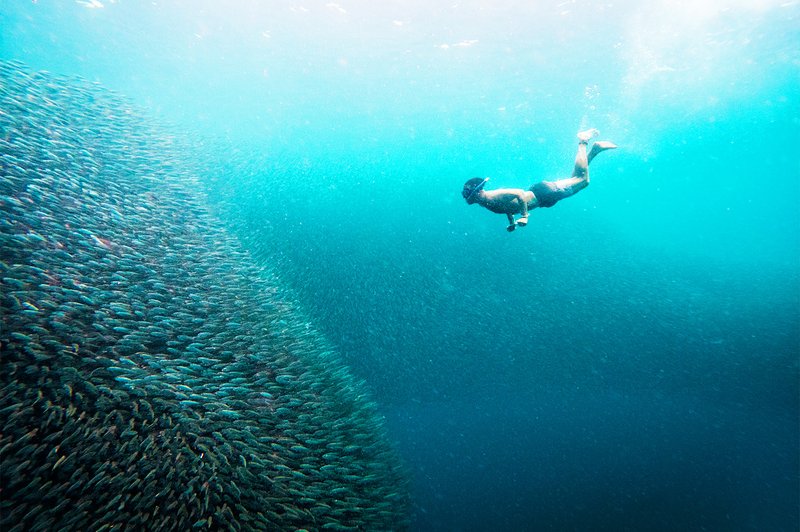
<point>522,222</point>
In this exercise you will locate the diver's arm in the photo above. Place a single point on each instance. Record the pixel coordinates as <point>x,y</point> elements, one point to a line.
<point>511,224</point>
<point>524,205</point>
<point>523,219</point>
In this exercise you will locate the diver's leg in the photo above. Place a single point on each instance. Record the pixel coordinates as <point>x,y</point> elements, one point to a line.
<point>551,192</point>
<point>581,159</point>
<point>580,174</point>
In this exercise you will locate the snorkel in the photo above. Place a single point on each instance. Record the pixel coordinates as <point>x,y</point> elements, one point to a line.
<point>477,188</point>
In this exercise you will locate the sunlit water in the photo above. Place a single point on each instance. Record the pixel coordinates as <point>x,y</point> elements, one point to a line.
<point>627,361</point>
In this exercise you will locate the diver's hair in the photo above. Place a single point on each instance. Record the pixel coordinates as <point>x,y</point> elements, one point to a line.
<point>469,188</point>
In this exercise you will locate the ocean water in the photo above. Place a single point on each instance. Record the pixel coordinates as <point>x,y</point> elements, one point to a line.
<point>627,361</point>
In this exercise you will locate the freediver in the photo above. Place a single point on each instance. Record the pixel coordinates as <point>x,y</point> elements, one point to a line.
<point>511,201</point>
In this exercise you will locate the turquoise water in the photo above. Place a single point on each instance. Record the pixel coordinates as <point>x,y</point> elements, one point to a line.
<point>627,361</point>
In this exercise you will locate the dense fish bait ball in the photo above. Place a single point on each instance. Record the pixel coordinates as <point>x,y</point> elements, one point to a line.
<point>152,377</point>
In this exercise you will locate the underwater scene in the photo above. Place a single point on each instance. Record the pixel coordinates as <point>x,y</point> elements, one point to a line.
<point>313,265</point>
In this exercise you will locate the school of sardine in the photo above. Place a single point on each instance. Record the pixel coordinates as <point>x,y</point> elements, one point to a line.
<point>152,375</point>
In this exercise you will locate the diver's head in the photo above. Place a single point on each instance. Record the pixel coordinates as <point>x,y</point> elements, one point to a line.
<point>472,187</point>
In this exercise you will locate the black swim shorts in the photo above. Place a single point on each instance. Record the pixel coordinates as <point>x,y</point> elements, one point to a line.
<point>547,194</point>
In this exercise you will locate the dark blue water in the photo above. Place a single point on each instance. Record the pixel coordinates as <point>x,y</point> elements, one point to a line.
<point>627,361</point>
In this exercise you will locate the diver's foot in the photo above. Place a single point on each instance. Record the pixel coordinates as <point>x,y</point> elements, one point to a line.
<point>600,146</point>
<point>511,228</point>
<point>522,222</point>
<point>585,136</point>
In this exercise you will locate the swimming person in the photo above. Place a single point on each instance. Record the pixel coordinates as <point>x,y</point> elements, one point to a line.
<point>511,201</point>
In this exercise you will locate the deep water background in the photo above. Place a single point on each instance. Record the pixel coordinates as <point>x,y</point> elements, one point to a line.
<point>627,361</point>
